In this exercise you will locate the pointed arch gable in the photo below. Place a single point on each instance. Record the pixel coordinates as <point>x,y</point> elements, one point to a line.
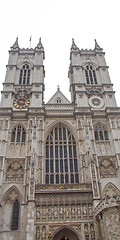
<point>25,61</point>
<point>18,195</point>
<point>89,62</point>
<point>110,190</point>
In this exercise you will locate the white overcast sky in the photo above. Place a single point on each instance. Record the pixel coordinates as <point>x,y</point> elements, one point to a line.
<point>57,22</point>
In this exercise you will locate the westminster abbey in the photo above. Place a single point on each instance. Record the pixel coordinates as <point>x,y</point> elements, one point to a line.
<point>59,161</point>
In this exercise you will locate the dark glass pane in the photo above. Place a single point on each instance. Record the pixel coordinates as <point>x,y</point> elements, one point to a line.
<point>96,135</point>
<point>51,151</point>
<point>62,178</point>
<point>56,134</point>
<point>13,137</point>
<point>47,179</point>
<point>71,165</point>
<point>64,133</point>
<point>65,151</point>
<point>56,151</point>
<point>66,178</point>
<point>51,179</point>
<point>61,153</point>
<point>56,166</point>
<point>18,137</point>
<point>75,165</point>
<point>47,166</point>
<point>23,136</point>
<point>66,165</point>
<point>47,152</point>
<point>51,165</point>
<point>57,179</point>
<point>101,135</point>
<point>15,216</point>
<point>60,134</point>
<point>72,178</point>
<point>76,178</point>
<point>61,165</point>
<point>74,151</point>
<point>70,151</point>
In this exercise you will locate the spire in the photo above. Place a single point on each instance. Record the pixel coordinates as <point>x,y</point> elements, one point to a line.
<point>15,45</point>
<point>74,47</point>
<point>97,47</point>
<point>39,45</point>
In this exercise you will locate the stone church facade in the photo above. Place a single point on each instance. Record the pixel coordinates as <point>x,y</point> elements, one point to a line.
<point>59,161</point>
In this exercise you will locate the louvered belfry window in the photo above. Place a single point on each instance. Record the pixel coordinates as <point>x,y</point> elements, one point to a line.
<point>24,77</point>
<point>90,75</point>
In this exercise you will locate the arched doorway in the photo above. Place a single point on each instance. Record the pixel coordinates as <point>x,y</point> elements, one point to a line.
<point>66,234</point>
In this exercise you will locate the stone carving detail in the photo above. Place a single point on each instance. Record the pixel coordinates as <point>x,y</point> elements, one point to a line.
<point>15,172</point>
<point>43,233</point>
<point>64,212</point>
<point>94,91</point>
<point>107,169</point>
<point>37,233</point>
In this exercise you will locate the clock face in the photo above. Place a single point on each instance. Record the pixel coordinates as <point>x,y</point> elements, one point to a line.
<point>21,102</point>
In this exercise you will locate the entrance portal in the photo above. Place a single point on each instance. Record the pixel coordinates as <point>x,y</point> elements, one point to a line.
<point>65,234</point>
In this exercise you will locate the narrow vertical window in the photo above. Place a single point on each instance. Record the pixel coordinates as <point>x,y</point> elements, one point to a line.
<point>24,77</point>
<point>90,75</point>
<point>15,216</point>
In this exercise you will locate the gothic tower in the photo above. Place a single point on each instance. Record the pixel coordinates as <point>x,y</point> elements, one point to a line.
<point>59,161</point>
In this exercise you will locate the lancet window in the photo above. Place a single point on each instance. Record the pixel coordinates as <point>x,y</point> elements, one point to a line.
<point>90,75</point>
<point>18,135</point>
<point>100,132</point>
<point>15,215</point>
<point>24,77</point>
<point>61,157</point>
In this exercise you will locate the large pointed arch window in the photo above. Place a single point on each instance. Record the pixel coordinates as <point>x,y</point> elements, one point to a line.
<point>61,165</point>
<point>90,75</point>
<point>24,77</point>
<point>100,132</point>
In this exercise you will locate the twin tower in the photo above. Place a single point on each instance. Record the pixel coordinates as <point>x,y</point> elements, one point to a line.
<point>59,161</point>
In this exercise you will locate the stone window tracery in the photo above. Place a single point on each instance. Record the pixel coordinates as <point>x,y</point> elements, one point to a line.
<point>24,77</point>
<point>90,75</point>
<point>18,135</point>
<point>100,132</point>
<point>61,157</point>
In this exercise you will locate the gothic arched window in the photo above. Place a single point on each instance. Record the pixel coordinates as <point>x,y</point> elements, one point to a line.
<point>61,157</point>
<point>24,77</point>
<point>18,135</point>
<point>100,132</point>
<point>15,215</point>
<point>90,75</point>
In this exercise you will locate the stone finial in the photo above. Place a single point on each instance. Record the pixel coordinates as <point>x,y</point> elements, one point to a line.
<point>74,47</point>
<point>39,45</point>
<point>58,87</point>
<point>15,45</point>
<point>97,47</point>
